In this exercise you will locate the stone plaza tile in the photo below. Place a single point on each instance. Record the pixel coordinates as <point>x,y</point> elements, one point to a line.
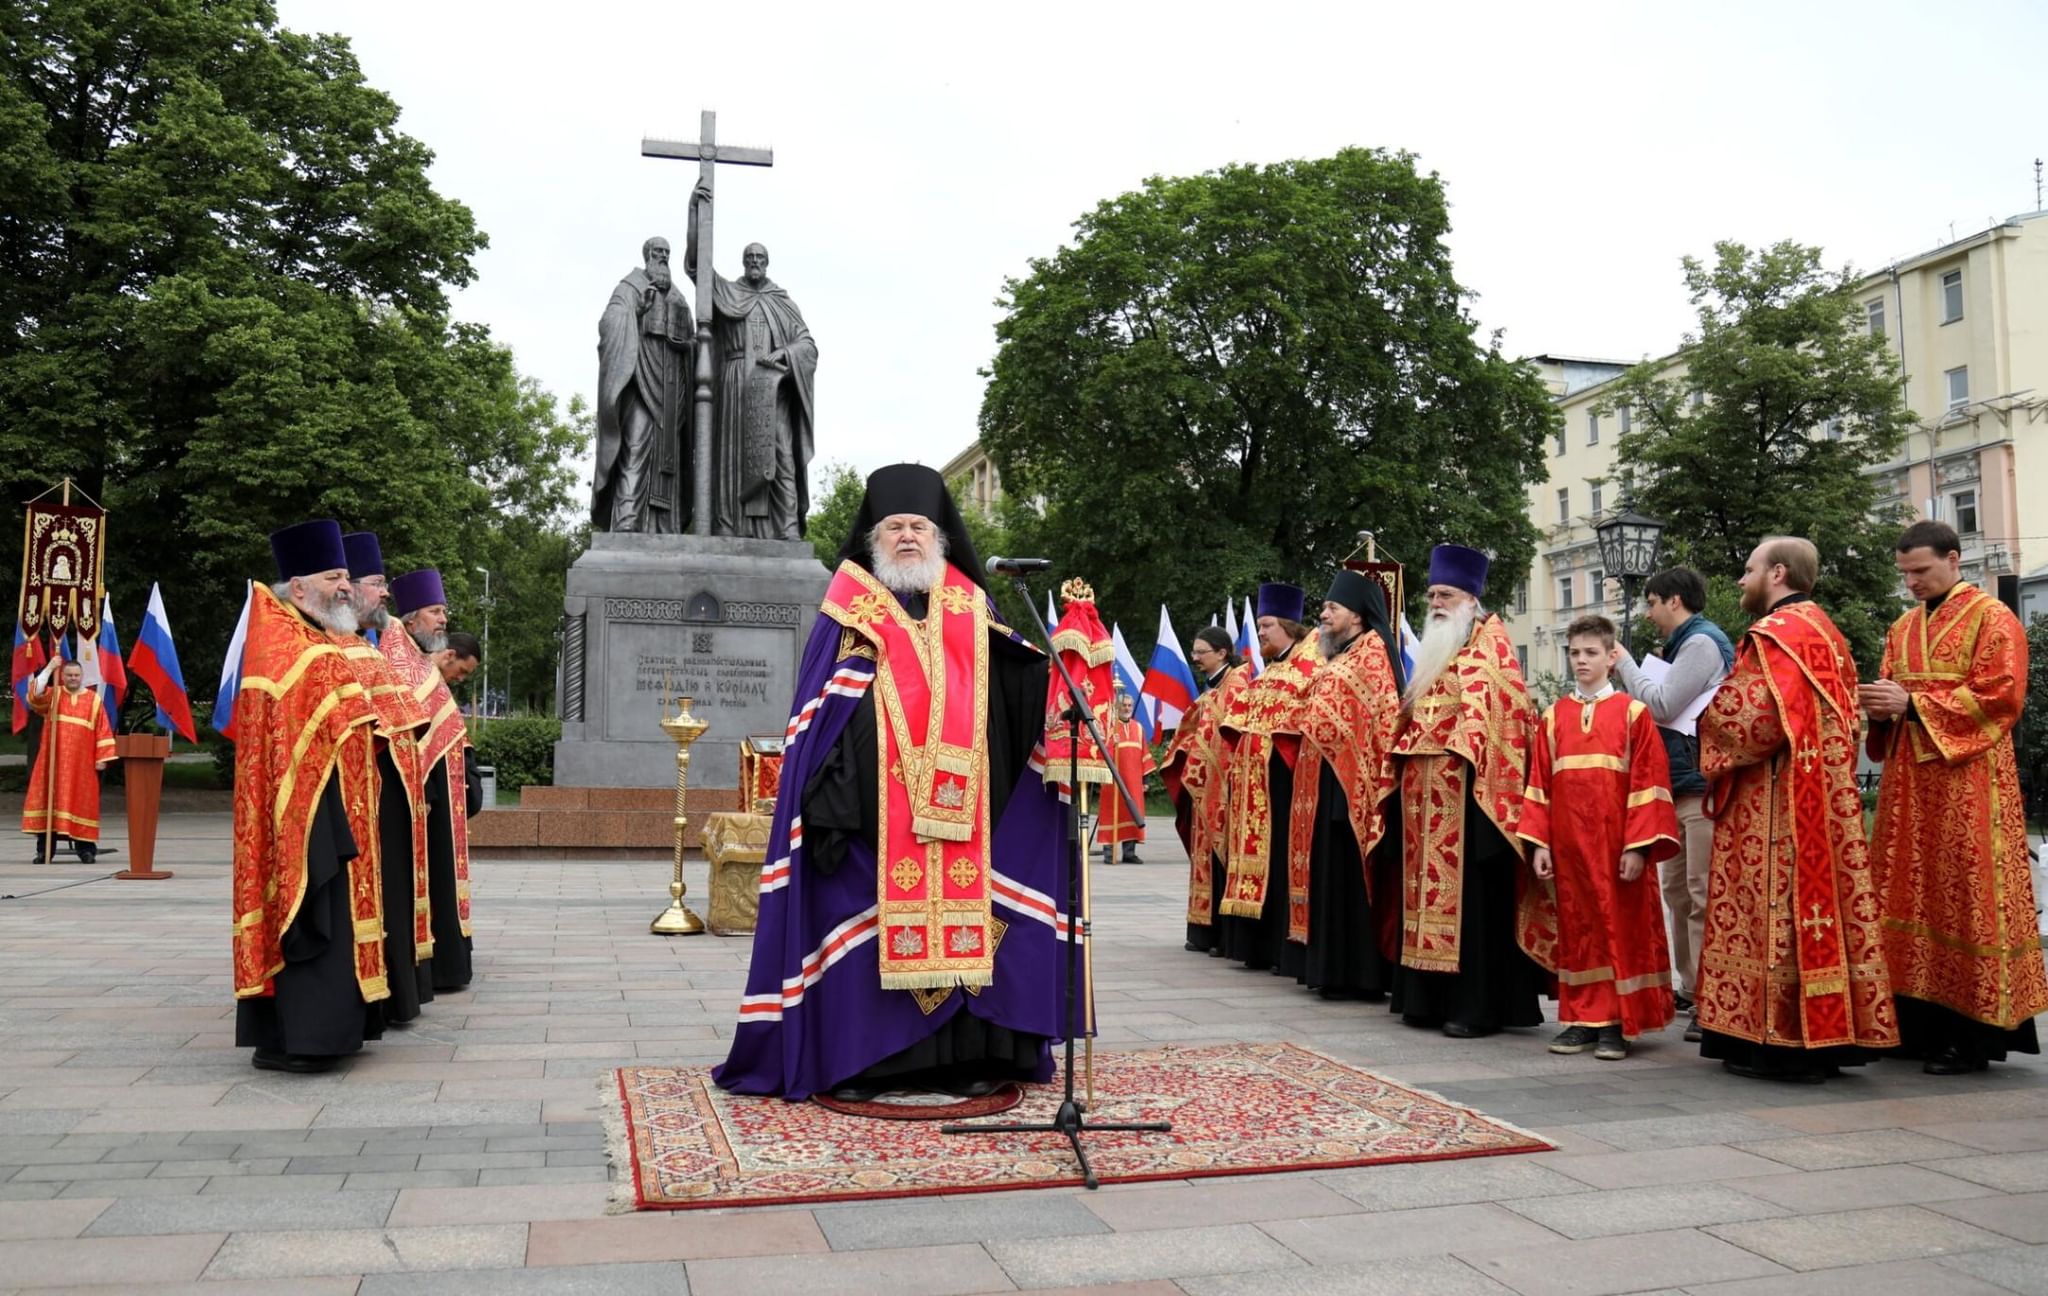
<point>206,1213</point>
<point>121,1189</point>
<point>672,1235</point>
<point>976,1218</point>
<point>1666,1166</point>
<point>1991,1135</point>
<point>348,1113</point>
<point>1856,1237</point>
<point>1426,1231</point>
<point>2023,1218</point>
<point>513,1204</point>
<point>379,1179</point>
<point>223,1287</point>
<point>1643,1210</point>
<point>1858,1148</point>
<point>585,1280</point>
<point>2014,1269</point>
<point>1633,1263</point>
<point>1898,1278</point>
<point>284,1116</point>
<point>915,1271</point>
<point>23,1221</point>
<point>1450,1183</point>
<point>1637,1135</point>
<point>366,1251</point>
<point>1130,1257</point>
<point>300,1185</point>
<point>129,1261</point>
<point>2013,1172</point>
<point>1859,1187</point>
<point>1243,1199</point>
<point>1425,1277</point>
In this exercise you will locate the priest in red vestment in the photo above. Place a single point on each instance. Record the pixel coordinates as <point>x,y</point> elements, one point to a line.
<point>1598,761</point>
<point>1950,844</point>
<point>308,905</point>
<point>1263,733</point>
<point>1133,756</point>
<point>1792,969</point>
<point>1476,931</point>
<point>77,742</point>
<point>413,647</point>
<point>1197,765</point>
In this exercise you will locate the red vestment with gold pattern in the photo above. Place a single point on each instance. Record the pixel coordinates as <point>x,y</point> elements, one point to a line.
<point>1601,767</point>
<point>1949,848</point>
<point>444,745</point>
<point>400,719</point>
<point>1793,956</point>
<point>1133,762</point>
<point>1264,721</point>
<point>1196,769</point>
<point>1349,721</point>
<point>75,725</point>
<point>302,720</point>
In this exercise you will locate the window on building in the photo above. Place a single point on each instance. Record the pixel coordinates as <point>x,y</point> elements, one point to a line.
<point>1595,506</point>
<point>1963,507</point>
<point>1564,594</point>
<point>1958,388</point>
<point>1596,587</point>
<point>1557,442</point>
<point>1564,505</point>
<point>1833,429</point>
<point>1951,296</point>
<point>1522,658</point>
<point>1592,427</point>
<point>1698,398</point>
<point>1522,597</point>
<point>1873,312</point>
<point>1627,419</point>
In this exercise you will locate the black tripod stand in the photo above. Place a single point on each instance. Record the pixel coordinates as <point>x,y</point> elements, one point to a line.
<point>1068,1119</point>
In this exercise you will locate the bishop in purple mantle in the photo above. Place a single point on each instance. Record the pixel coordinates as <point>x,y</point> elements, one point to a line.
<point>815,1016</point>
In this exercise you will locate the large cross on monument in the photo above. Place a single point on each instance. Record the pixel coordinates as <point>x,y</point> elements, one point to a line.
<point>708,152</point>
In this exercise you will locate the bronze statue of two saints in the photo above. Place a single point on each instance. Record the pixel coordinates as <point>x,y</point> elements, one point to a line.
<point>763,368</point>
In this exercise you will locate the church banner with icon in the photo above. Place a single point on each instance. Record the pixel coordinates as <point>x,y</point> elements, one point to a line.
<point>63,570</point>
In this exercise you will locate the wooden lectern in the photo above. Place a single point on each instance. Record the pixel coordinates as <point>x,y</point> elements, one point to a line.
<point>142,772</point>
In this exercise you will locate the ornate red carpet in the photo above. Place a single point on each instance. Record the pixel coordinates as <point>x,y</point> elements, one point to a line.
<point>1235,1108</point>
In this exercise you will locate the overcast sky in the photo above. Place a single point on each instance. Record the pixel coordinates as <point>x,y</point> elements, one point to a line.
<point>925,153</point>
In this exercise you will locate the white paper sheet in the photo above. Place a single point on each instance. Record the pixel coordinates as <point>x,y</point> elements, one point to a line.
<point>1687,722</point>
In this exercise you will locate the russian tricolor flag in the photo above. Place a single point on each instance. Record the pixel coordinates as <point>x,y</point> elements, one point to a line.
<point>155,663</point>
<point>1248,641</point>
<point>1169,678</point>
<point>113,671</point>
<point>1409,643</point>
<point>1126,667</point>
<point>29,657</point>
<point>231,672</point>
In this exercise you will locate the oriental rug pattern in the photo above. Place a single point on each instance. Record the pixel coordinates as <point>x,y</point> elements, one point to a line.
<point>1236,1108</point>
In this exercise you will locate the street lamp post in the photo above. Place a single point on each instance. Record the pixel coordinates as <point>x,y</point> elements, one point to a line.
<point>487,645</point>
<point>1630,546</point>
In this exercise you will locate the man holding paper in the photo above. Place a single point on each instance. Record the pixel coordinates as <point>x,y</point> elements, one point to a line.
<point>1676,685</point>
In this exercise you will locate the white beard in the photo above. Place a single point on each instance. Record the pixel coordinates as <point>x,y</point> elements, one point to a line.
<point>338,617</point>
<point>429,644</point>
<point>910,577</point>
<point>1443,637</point>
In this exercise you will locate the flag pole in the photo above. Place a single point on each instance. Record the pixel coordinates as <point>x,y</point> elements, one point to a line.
<point>1087,961</point>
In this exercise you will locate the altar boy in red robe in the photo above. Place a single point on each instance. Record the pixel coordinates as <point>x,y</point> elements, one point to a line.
<point>1126,739</point>
<point>1597,759</point>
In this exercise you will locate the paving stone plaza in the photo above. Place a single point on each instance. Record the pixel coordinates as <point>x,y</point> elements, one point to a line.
<point>140,1152</point>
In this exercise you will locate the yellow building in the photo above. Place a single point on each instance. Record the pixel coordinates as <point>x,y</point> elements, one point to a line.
<point>1969,324</point>
<point>972,476</point>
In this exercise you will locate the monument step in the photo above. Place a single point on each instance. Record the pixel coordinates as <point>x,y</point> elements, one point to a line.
<point>702,800</point>
<point>592,823</point>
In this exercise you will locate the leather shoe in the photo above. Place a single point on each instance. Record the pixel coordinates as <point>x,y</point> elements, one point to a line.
<point>1953,1061</point>
<point>1465,1030</point>
<point>858,1093</point>
<point>971,1088</point>
<point>1692,1028</point>
<point>293,1063</point>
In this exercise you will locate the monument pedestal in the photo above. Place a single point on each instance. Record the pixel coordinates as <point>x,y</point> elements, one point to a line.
<point>719,618</point>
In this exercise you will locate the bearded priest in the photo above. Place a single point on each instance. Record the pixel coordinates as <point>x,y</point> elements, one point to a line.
<point>917,859</point>
<point>1475,924</point>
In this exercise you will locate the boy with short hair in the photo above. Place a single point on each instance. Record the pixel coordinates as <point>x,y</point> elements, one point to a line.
<point>1598,812</point>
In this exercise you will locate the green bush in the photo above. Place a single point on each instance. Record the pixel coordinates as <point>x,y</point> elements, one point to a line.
<point>522,748</point>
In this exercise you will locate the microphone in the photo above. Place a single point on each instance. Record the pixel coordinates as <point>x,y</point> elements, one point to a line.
<point>1016,566</point>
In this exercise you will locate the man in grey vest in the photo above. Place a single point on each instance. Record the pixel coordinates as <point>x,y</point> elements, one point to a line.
<point>1699,656</point>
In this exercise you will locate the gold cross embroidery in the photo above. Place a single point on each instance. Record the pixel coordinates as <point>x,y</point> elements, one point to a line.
<point>1808,754</point>
<point>1815,923</point>
<point>906,873</point>
<point>953,599</point>
<point>963,872</point>
<point>868,607</point>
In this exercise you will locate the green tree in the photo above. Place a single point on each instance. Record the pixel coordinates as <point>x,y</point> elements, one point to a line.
<point>1796,403</point>
<point>1227,376</point>
<point>224,278</point>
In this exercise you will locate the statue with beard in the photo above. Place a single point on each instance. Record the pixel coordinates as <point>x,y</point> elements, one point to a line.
<point>643,388</point>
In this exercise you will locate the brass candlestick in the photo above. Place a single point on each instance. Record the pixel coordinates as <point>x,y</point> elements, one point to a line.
<point>677,920</point>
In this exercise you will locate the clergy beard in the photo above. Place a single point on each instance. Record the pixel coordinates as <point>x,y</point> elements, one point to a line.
<point>337,617</point>
<point>910,577</point>
<point>371,616</point>
<point>1443,636</point>
<point>1332,642</point>
<point>432,643</point>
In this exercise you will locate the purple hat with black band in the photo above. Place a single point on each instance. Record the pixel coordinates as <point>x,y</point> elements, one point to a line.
<point>416,590</point>
<point>365,555</point>
<point>1279,599</point>
<point>308,549</point>
<point>1459,567</point>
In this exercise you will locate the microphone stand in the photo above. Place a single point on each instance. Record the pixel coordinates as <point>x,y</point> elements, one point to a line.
<point>1068,1120</point>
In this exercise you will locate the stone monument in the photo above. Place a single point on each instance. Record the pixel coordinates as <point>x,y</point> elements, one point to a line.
<point>708,589</point>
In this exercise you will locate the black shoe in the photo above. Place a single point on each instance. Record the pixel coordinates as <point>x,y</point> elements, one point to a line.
<point>1131,856</point>
<point>1692,1028</point>
<point>1612,1046</point>
<point>1803,1075</point>
<point>1682,1002</point>
<point>1953,1061</point>
<point>1420,1021</point>
<point>1466,1030</point>
<point>971,1088</point>
<point>1574,1039</point>
<point>88,856</point>
<point>858,1093</point>
<point>294,1063</point>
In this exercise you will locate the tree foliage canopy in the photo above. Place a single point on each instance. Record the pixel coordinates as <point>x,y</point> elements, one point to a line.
<point>1796,402</point>
<point>1227,376</point>
<point>223,308</point>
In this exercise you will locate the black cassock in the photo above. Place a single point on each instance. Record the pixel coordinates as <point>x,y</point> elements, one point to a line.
<point>1496,984</point>
<point>451,947</point>
<point>839,805</point>
<point>412,981</point>
<point>1261,943</point>
<point>1344,955</point>
<point>317,1009</point>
